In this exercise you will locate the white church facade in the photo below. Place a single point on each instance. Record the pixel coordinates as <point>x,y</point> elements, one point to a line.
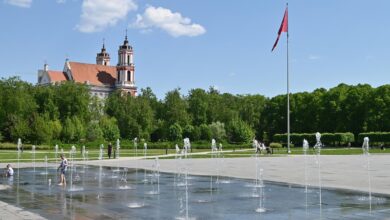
<point>102,78</point>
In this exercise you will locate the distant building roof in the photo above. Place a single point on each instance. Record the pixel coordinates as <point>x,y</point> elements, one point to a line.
<point>56,76</point>
<point>93,74</point>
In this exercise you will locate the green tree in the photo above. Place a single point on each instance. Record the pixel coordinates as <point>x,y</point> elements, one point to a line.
<point>175,109</point>
<point>175,132</point>
<point>110,128</point>
<point>94,132</point>
<point>217,130</point>
<point>73,100</point>
<point>41,131</point>
<point>198,105</point>
<point>205,132</point>
<point>240,132</point>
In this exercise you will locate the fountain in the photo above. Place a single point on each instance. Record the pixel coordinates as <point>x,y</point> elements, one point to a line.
<point>123,180</point>
<point>305,147</point>
<point>256,146</point>
<point>317,147</point>
<point>261,194</point>
<point>118,146</point>
<point>183,182</point>
<point>33,156</point>
<point>145,154</point>
<point>74,176</point>
<point>46,166</point>
<point>56,153</point>
<point>83,152</point>
<point>213,145</point>
<point>177,149</point>
<point>156,176</point>
<point>366,153</point>
<point>145,149</point>
<point>135,141</point>
<point>101,152</point>
<point>187,146</point>
<point>19,148</point>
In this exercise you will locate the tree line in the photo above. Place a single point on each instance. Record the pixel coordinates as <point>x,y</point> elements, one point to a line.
<point>67,113</point>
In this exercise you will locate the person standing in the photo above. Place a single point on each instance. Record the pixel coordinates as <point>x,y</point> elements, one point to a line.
<point>63,167</point>
<point>109,150</point>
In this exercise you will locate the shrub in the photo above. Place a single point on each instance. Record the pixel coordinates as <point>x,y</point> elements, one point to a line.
<point>327,138</point>
<point>375,136</point>
<point>275,145</point>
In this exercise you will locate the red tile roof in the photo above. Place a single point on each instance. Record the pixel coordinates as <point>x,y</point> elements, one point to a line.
<point>56,76</point>
<point>93,73</point>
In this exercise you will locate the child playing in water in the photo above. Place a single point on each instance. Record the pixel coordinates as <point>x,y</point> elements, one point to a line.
<point>62,168</point>
<point>9,171</point>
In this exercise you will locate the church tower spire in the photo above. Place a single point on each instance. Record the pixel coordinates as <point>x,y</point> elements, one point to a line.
<point>103,58</point>
<point>125,68</point>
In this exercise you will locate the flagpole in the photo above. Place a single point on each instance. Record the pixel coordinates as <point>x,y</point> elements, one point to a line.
<point>288,98</point>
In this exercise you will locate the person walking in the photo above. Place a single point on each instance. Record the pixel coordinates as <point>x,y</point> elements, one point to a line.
<point>109,150</point>
<point>63,167</point>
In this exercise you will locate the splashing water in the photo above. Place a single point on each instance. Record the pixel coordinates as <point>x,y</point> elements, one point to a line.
<point>366,153</point>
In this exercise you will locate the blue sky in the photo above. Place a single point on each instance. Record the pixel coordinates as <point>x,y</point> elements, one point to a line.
<point>200,43</point>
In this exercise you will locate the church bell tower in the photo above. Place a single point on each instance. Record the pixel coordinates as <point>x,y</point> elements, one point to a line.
<point>125,69</point>
<point>103,58</point>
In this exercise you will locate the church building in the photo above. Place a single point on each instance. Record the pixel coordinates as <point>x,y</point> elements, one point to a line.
<point>102,78</point>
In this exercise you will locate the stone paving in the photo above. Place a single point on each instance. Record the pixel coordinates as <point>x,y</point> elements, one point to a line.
<point>340,171</point>
<point>10,212</point>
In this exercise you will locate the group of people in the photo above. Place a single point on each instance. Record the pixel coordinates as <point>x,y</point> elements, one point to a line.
<point>9,171</point>
<point>260,146</point>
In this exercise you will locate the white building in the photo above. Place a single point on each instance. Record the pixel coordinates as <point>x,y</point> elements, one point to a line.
<point>101,77</point>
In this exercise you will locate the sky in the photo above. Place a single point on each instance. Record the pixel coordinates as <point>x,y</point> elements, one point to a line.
<point>190,44</point>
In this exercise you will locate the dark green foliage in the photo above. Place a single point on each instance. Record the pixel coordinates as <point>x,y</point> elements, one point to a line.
<point>175,132</point>
<point>205,132</point>
<point>67,113</point>
<point>375,137</point>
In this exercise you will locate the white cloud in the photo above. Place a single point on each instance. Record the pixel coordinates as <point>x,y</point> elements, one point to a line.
<point>19,3</point>
<point>100,14</point>
<point>172,22</point>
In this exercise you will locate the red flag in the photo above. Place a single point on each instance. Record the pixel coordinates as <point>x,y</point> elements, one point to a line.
<point>283,28</point>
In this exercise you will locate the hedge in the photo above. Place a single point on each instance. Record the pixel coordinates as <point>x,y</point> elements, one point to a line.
<point>326,138</point>
<point>375,136</point>
<point>275,145</point>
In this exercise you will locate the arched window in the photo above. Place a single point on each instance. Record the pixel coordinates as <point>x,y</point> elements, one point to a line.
<point>128,59</point>
<point>119,76</point>
<point>128,76</point>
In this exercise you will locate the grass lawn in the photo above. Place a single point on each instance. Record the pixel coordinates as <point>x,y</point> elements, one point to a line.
<point>27,156</point>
